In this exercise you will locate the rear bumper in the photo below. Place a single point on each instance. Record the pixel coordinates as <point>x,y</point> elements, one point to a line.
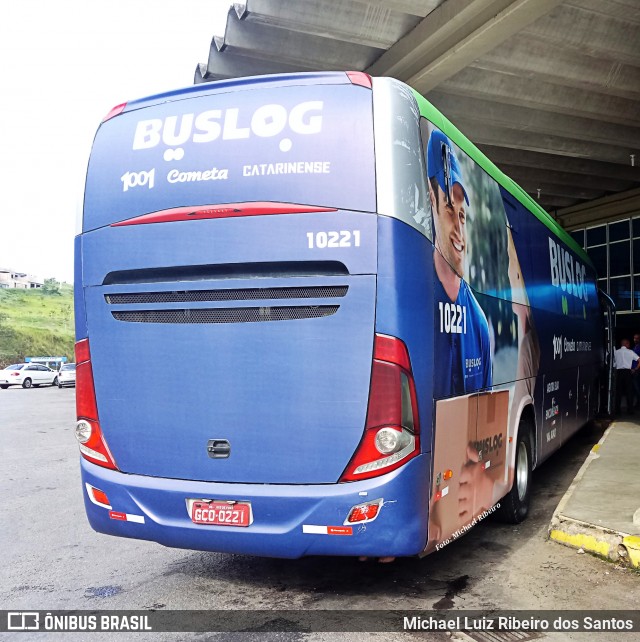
<point>154,509</point>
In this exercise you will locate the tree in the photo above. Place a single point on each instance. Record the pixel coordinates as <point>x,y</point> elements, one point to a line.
<point>51,286</point>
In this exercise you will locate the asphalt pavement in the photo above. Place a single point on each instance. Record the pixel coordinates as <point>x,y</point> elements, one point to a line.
<point>52,560</point>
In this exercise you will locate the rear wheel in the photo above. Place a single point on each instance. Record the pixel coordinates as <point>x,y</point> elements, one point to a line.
<point>4,386</point>
<point>59,385</point>
<point>26,383</point>
<point>514,507</point>
<point>55,382</point>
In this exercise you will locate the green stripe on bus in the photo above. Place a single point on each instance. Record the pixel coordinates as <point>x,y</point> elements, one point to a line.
<point>428,111</point>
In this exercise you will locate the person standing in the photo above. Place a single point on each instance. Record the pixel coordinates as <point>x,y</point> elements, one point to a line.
<point>636,372</point>
<point>626,361</point>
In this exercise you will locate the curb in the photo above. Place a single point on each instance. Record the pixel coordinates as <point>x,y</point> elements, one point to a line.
<point>632,547</point>
<point>584,536</point>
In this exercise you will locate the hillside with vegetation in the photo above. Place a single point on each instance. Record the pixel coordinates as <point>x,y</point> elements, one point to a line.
<point>36,322</point>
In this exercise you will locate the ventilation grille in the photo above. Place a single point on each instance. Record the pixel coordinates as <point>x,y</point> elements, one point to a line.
<point>245,294</point>
<point>227,271</point>
<point>227,315</point>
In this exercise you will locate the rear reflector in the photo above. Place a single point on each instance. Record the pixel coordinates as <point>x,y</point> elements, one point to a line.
<point>366,512</point>
<point>82,351</point>
<point>228,210</point>
<point>98,496</point>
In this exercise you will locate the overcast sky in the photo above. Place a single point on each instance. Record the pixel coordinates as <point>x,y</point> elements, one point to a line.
<point>64,65</point>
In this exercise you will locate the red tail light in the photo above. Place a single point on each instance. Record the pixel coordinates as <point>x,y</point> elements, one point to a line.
<point>391,435</point>
<point>359,78</point>
<point>118,109</point>
<point>93,446</point>
<point>227,210</point>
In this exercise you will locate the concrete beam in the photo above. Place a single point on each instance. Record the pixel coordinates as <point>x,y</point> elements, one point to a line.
<point>503,156</point>
<point>553,204</point>
<point>200,74</point>
<point>369,24</point>
<point>601,210</point>
<point>565,191</point>
<point>222,65</point>
<point>406,56</point>
<point>536,121</point>
<point>278,45</point>
<point>537,176</point>
<point>533,57</point>
<point>628,10</point>
<point>594,31</point>
<point>511,89</point>
<point>515,138</point>
<point>455,34</point>
<point>419,8</point>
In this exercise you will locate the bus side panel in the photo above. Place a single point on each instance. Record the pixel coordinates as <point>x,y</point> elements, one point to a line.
<point>521,328</point>
<point>404,306</point>
<point>568,323</point>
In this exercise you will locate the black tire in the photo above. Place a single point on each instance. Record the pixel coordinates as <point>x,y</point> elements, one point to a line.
<point>59,385</point>
<point>27,383</point>
<point>55,382</point>
<point>4,386</point>
<point>514,506</point>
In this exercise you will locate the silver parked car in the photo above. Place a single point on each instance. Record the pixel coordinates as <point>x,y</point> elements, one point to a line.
<point>27,375</point>
<point>67,375</point>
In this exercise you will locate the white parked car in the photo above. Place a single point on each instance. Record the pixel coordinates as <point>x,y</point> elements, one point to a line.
<point>67,375</point>
<point>27,375</point>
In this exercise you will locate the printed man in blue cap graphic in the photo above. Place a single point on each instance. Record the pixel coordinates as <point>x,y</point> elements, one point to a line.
<point>462,348</point>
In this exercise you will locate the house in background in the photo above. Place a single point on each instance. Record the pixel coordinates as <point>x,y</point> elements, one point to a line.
<point>14,279</point>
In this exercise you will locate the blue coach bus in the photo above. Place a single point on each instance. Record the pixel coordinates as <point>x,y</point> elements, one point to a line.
<point>312,318</point>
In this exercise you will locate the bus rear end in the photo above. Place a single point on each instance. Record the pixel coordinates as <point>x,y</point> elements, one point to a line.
<point>233,394</point>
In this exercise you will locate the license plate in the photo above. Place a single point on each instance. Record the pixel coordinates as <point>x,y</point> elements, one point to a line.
<point>221,513</point>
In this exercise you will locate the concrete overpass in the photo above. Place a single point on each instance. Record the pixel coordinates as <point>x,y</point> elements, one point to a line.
<point>548,89</point>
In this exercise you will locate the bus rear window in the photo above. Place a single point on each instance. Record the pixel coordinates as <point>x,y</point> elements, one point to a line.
<point>309,144</point>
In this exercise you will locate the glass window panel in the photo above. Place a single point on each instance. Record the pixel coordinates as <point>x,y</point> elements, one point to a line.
<point>636,255</point>
<point>636,226</point>
<point>596,235</point>
<point>619,259</point>
<point>618,231</point>
<point>599,257</point>
<point>578,237</point>
<point>636,291</point>
<point>620,292</point>
<point>602,285</point>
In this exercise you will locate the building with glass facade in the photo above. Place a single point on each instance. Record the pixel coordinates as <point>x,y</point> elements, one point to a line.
<point>614,249</point>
